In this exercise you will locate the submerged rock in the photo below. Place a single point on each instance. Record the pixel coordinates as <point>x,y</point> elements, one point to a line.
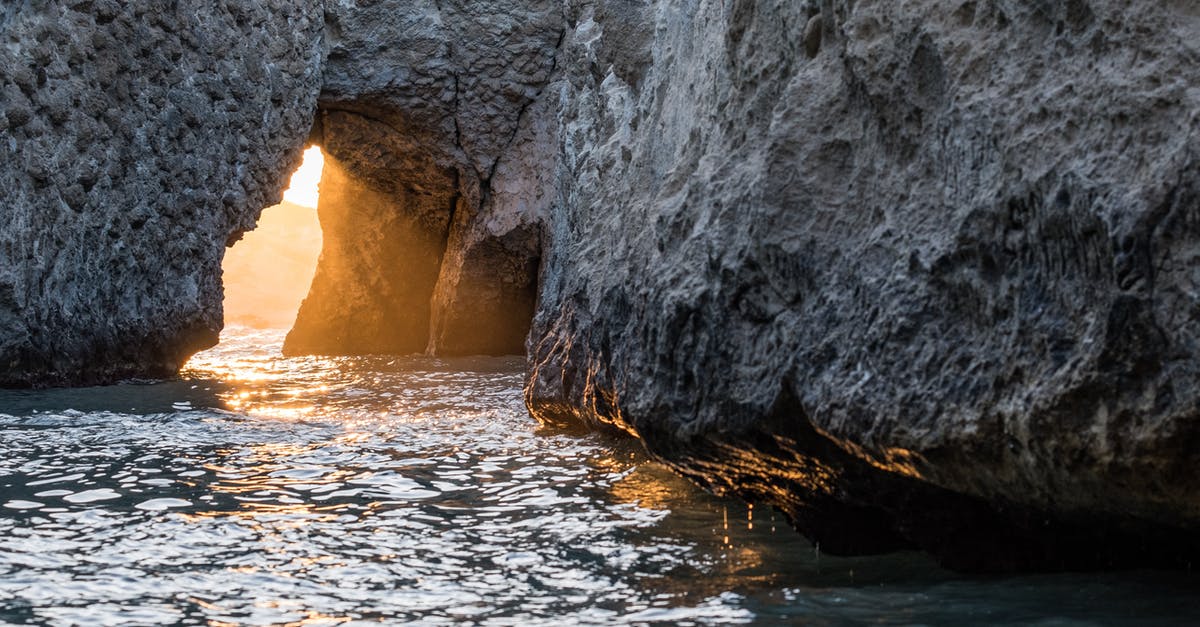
<point>920,274</point>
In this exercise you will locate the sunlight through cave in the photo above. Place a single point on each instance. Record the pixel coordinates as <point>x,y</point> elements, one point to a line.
<point>267,274</point>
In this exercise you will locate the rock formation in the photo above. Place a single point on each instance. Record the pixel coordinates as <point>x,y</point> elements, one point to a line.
<point>436,177</point>
<point>137,139</point>
<point>921,274</point>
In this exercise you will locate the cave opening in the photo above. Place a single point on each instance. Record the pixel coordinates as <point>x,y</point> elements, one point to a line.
<point>267,273</point>
<point>401,252</point>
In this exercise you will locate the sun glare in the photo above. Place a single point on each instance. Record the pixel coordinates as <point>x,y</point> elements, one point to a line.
<point>268,272</point>
<point>303,188</point>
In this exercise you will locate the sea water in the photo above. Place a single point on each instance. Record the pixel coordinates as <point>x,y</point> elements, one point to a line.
<point>258,490</point>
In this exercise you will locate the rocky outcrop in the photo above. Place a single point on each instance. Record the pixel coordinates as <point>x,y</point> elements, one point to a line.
<point>141,141</point>
<point>385,211</point>
<point>921,274</point>
<point>137,138</point>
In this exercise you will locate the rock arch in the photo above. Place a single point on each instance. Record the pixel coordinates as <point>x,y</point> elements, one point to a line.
<point>142,139</point>
<point>434,185</point>
<point>857,293</point>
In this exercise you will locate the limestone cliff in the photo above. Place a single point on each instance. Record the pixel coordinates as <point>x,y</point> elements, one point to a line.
<point>921,274</point>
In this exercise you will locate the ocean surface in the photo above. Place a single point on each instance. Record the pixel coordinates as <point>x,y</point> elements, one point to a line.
<point>258,490</point>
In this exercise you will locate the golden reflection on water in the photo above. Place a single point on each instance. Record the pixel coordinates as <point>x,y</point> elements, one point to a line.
<point>647,487</point>
<point>644,484</point>
<point>285,412</point>
<point>739,548</point>
<point>254,471</point>
<point>302,491</point>
<point>254,484</point>
<point>257,386</point>
<point>311,617</point>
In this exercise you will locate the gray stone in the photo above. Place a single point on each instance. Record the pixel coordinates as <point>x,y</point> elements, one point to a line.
<point>920,274</point>
<point>935,286</point>
<point>118,150</point>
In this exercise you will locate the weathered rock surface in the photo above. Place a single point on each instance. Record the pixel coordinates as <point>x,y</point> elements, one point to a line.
<point>921,274</point>
<point>385,212</point>
<point>136,139</point>
<point>424,109</point>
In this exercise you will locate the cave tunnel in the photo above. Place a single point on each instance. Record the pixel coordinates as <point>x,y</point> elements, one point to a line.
<point>410,259</point>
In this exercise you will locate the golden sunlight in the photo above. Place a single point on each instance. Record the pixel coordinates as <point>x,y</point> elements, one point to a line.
<point>267,274</point>
<point>302,190</point>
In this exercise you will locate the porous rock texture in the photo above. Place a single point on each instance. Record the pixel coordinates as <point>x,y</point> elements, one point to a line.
<point>138,137</point>
<point>921,274</point>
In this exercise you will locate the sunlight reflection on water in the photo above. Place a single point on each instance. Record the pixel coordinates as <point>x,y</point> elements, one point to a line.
<point>324,490</point>
<point>263,490</point>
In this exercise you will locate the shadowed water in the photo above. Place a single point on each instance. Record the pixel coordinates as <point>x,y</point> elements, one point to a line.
<point>259,490</point>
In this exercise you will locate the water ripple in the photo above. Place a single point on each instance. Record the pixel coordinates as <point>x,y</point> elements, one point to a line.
<point>260,490</point>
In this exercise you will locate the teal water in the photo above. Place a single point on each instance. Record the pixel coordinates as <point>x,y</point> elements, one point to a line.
<point>258,490</point>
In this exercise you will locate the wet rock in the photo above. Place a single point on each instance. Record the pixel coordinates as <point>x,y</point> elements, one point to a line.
<point>932,287</point>
<point>921,274</point>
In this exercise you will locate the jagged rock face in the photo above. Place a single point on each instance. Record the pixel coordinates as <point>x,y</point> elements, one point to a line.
<point>136,139</point>
<point>922,274</point>
<point>440,176</point>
